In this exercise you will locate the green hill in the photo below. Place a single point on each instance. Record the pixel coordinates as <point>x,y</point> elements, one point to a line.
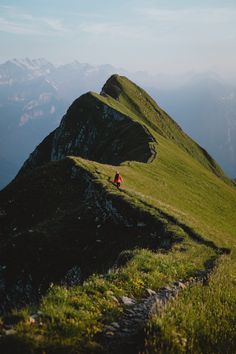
<point>173,218</point>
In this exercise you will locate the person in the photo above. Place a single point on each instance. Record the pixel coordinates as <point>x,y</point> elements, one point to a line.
<point>118,179</point>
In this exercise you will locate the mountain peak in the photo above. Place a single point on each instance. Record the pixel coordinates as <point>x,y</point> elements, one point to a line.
<point>112,86</point>
<point>98,129</point>
<point>116,126</point>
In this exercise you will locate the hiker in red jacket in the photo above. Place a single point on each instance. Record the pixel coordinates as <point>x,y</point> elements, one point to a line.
<point>118,179</point>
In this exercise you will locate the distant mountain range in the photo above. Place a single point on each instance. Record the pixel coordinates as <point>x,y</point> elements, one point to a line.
<point>34,95</point>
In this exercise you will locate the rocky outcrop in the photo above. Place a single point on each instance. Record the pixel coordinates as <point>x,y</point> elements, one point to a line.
<point>94,130</point>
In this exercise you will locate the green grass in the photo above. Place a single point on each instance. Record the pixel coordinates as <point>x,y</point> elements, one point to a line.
<point>178,185</point>
<point>201,320</point>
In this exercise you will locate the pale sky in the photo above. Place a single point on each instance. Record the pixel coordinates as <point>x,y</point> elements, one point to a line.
<point>162,36</point>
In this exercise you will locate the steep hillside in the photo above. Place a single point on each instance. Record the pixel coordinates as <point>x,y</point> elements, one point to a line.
<point>63,220</point>
<point>93,129</point>
<point>144,107</point>
<point>77,137</point>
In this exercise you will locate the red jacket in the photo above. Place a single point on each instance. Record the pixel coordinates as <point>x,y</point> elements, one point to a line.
<point>118,178</point>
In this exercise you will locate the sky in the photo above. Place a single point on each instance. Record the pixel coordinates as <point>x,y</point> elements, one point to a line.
<point>156,36</point>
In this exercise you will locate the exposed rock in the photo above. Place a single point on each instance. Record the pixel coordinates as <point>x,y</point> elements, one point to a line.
<point>115,325</point>
<point>110,328</point>
<point>87,132</point>
<point>109,333</point>
<point>166,289</point>
<point>127,301</point>
<point>181,285</point>
<point>150,292</point>
<point>129,311</point>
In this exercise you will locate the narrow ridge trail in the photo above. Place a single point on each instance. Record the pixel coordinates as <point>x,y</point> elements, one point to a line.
<point>127,335</point>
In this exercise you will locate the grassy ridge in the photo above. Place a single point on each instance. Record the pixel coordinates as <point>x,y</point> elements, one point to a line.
<point>146,110</point>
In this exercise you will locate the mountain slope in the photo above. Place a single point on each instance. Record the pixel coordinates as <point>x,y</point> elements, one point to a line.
<point>96,131</point>
<point>118,95</point>
<point>143,106</point>
<point>59,215</point>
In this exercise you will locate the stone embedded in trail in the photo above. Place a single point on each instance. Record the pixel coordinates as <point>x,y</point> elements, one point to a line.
<point>115,325</point>
<point>110,328</point>
<point>182,285</point>
<point>127,301</point>
<point>109,333</point>
<point>131,312</point>
<point>150,292</point>
<point>167,289</point>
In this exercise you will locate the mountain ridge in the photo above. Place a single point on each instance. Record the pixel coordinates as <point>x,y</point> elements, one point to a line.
<point>33,104</point>
<point>65,219</point>
<point>141,109</point>
<point>84,145</point>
